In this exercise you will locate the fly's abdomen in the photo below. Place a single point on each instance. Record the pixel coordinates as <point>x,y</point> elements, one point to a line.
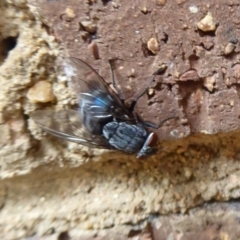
<point>123,136</point>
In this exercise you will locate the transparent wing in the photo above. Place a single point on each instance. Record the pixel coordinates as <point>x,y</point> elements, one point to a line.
<point>93,92</point>
<point>67,125</point>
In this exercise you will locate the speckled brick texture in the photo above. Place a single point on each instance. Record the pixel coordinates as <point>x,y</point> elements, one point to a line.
<point>51,189</point>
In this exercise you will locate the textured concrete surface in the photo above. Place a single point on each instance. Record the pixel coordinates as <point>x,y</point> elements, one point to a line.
<point>50,189</point>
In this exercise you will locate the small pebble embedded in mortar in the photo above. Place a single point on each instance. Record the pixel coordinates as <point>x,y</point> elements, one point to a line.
<point>144,10</point>
<point>41,92</point>
<point>193,9</point>
<point>89,26</point>
<point>151,92</point>
<point>189,75</point>
<point>70,13</point>
<point>209,83</point>
<point>229,48</point>
<point>153,45</point>
<point>207,24</point>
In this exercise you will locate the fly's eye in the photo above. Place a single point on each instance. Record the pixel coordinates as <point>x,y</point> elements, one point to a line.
<point>148,147</point>
<point>152,139</point>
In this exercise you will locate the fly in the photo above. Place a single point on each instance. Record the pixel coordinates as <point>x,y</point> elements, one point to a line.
<point>102,120</point>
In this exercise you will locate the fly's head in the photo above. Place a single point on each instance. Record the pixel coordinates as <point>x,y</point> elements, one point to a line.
<point>148,146</point>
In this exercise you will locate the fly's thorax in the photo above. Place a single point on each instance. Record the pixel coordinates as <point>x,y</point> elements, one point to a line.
<point>148,146</point>
<point>124,136</point>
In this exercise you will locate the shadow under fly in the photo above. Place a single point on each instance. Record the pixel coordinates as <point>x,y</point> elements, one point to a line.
<point>102,119</point>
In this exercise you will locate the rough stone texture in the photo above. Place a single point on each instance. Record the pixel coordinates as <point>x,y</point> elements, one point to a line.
<point>50,189</point>
<point>210,221</point>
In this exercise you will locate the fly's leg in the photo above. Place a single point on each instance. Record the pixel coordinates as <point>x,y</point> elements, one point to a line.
<point>114,82</point>
<point>156,126</point>
<point>133,103</point>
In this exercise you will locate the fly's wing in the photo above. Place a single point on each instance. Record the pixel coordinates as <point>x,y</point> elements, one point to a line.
<point>67,125</point>
<point>96,98</point>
